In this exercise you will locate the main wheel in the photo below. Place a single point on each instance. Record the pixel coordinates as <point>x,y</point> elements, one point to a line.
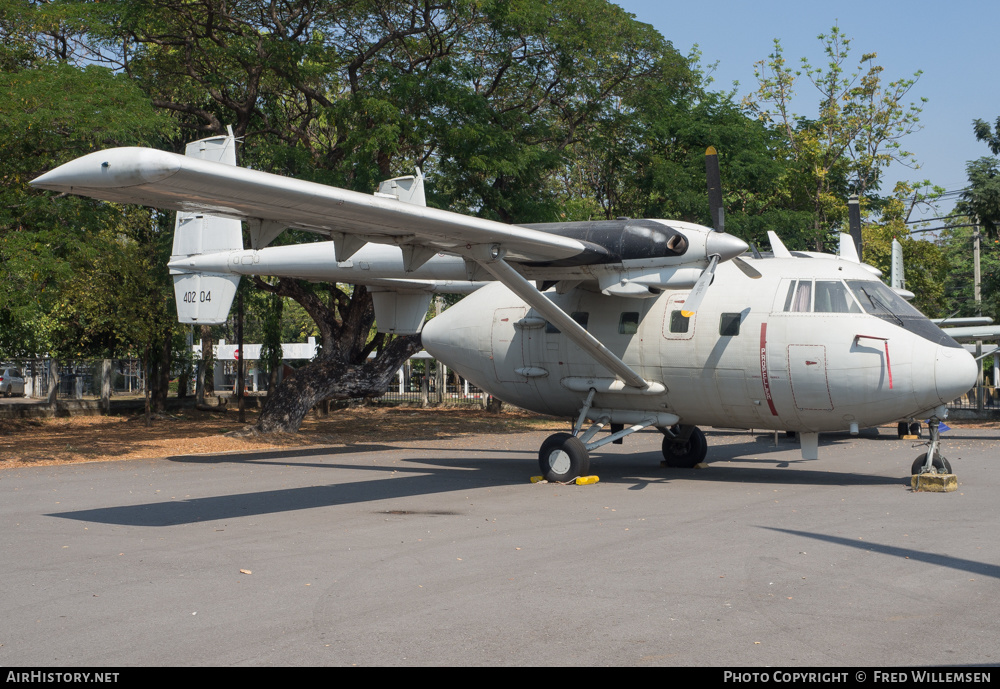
<point>902,428</point>
<point>940,464</point>
<point>563,457</point>
<point>685,454</point>
<point>915,429</point>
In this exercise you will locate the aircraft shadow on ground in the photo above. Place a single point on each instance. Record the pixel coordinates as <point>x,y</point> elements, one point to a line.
<point>971,566</point>
<point>404,478</point>
<point>415,477</point>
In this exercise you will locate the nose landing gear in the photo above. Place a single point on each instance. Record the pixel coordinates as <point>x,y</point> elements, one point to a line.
<point>932,461</point>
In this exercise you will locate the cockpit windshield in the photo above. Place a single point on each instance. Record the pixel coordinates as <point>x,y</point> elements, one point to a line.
<point>877,299</point>
<point>880,301</point>
<point>815,295</point>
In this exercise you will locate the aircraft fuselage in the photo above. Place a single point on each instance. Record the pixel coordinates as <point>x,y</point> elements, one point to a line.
<point>795,350</point>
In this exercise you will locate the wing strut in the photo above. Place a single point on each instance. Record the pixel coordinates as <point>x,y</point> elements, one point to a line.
<point>493,262</point>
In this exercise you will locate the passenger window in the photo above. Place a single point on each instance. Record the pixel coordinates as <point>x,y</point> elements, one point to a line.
<point>581,317</point>
<point>679,322</point>
<point>629,323</point>
<point>729,325</point>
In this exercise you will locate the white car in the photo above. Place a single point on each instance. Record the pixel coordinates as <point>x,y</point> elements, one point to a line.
<point>11,381</point>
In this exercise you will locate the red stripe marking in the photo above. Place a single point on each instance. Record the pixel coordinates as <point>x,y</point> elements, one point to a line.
<point>888,365</point>
<point>763,368</point>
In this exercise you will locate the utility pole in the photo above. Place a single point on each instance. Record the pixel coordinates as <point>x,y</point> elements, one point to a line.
<point>978,296</point>
<point>854,221</point>
<point>240,383</point>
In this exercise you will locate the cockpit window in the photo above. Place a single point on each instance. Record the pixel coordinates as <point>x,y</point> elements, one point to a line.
<point>832,297</point>
<point>803,296</point>
<point>879,300</point>
<point>819,296</point>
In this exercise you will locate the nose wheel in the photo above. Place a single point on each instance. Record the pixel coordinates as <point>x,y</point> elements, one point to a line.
<point>932,461</point>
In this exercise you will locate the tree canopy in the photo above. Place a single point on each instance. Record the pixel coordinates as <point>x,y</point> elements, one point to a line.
<point>525,111</point>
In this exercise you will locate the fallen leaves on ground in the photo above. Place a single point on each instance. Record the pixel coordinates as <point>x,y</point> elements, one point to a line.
<point>48,442</point>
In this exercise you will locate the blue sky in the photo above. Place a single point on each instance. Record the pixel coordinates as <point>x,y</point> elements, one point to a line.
<point>953,43</point>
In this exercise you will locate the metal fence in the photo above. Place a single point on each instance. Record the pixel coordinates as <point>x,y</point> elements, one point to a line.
<point>463,393</point>
<point>970,400</point>
<point>80,379</point>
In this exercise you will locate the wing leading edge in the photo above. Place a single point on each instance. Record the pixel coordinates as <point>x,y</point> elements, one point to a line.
<point>170,181</point>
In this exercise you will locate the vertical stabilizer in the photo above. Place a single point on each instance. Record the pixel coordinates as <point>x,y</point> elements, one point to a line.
<point>409,189</point>
<point>897,280</point>
<point>205,297</point>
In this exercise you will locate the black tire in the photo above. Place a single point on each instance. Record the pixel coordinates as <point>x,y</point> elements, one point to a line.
<point>902,428</point>
<point>684,455</point>
<point>915,429</point>
<point>8,392</point>
<point>940,463</point>
<point>563,457</point>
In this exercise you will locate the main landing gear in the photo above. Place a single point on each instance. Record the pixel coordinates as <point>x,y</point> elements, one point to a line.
<point>932,461</point>
<point>565,456</point>
<point>684,447</point>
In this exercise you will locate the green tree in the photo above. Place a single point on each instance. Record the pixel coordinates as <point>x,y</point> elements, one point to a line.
<point>52,112</point>
<point>926,263</point>
<point>855,135</point>
<point>991,137</point>
<point>489,96</point>
<point>981,201</point>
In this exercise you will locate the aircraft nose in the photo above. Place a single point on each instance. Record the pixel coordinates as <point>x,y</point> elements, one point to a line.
<point>955,373</point>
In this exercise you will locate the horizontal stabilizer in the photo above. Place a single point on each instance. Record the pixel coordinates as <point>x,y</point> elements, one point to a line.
<point>204,298</point>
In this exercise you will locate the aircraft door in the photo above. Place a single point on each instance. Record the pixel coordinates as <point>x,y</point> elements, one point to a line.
<point>506,342</point>
<point>808,375</point>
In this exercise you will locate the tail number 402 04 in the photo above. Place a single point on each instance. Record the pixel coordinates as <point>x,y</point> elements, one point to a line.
<point>192,297</point>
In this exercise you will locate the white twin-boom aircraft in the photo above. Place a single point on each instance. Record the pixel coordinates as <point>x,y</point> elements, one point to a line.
<point>611,322</point>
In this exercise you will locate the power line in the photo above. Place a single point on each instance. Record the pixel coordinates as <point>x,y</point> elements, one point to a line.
<point>943,217</point>
<point>943,227</point>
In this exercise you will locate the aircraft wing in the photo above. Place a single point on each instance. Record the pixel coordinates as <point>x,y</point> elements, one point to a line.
<point>176,182</point>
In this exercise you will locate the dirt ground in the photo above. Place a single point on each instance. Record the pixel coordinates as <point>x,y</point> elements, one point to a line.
<point>47,442</point>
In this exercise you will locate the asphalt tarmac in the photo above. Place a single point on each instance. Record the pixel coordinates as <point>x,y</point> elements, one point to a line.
<point>443,553</point>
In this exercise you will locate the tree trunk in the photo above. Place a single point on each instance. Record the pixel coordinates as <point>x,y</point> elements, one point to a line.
<point>330,377</point>
<point>160,373</point>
